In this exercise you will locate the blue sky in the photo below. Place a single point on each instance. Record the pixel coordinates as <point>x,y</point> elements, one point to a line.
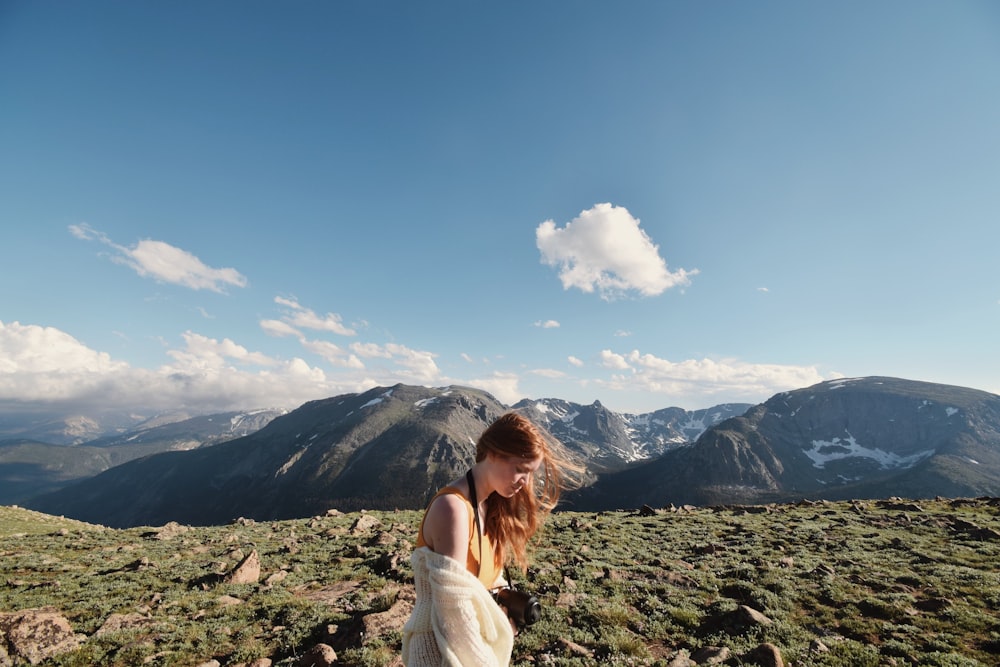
<point>215,205</point>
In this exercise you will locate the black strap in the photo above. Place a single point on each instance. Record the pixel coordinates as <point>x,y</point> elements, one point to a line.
<point>475,516</point>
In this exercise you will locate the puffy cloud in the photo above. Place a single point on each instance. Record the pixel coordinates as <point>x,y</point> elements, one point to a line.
<point>574,361</point>
<point>701,379</point>
<point>414,366</point>
<point>611,360</point>
<point>547,324</point>
<point>47,366</point>
<point>279,329</point>
<point>333,353</point>
<point>164,262</point>
<point>303,318</point>
<point>604,249</point>
<point>503,386</point>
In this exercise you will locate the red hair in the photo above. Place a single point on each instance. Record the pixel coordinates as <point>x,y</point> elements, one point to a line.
<point>513,521</point>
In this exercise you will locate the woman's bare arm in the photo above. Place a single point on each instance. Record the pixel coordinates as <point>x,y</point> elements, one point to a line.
<point>446,527</point>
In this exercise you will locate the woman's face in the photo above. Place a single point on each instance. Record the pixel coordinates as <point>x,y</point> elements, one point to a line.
<point>513,473</point>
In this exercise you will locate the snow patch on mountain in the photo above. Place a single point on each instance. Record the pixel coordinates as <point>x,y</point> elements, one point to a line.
<point>825,451</point>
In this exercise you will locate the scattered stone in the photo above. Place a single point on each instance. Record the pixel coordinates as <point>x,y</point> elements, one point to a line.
<point>710,655</point>
<point>364,524</point>
<point>382,623</point>
<point>765,655</point>
<point>169,531</point>
<point>36,635</point>
<point>680,580</point>
<point>576,649</point>
<point>681,659</point>
<point>898,505</point>
<point>259,662</point>
<point>276,578</point>
<point>320,655</point>
<point>247,572</point>
<point>210,663</point>
<point>227,601</point>
<point>646,510</point>
<point>737,622</point>
<point>816,646</point>
<point>117,622</point>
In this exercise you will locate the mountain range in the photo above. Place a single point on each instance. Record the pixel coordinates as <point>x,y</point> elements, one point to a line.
<point>392,447</point>
<point>29,466</point>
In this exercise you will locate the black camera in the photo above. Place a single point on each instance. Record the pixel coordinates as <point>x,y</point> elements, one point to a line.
<point>522,608</point>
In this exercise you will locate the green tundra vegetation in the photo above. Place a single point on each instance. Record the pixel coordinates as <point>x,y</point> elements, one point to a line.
<point>857,583</point>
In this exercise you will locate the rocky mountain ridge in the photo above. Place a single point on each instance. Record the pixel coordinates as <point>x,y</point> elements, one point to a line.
<point>386,448</point>
<point>854,438</point>
<point>29,467</point>
<point>391,448</point>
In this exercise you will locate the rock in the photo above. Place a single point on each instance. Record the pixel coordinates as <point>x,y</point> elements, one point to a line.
<point>710,655</point>
<point>276,578</point>
<point>680,580</point>
<point>364,524</point>
<point>169,531</point>
<point>382,623</point>
<point>320,655</point>
<point>247,572</point>
<point>116,622</point>
<point>765,655</point>
<point>259,662</point>
<point>681,659</point>
<point>737,622</point>
<point>36,635</point>
<point>575,649</point>
<point>816,646</point>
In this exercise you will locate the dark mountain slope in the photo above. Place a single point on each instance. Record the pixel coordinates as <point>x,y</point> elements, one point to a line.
<point>29,468</point>
<point>858,438</point>
<point>383,449</point>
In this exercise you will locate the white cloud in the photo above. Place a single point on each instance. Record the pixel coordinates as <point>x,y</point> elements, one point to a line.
<point>466,358</point>
<point>701,379</point>
<point>621,333</point>
<point>415,366</point>
<point>549,373</point>
<point>604,249</point>
<point>208,353</point>
<point>547,324</point>
<point>503,386</point>
<point>574,361</point>
<point>763,289</point>
<point>279,329</point>
<point>333,353</point>
<point>611,360</point>
<point>304,318</point>
<point>44,365</point>
<point>164,262</point>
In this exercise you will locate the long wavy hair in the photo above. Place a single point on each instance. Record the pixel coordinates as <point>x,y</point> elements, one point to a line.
<point>513,521</point>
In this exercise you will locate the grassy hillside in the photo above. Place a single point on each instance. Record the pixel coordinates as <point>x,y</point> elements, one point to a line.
<point>850,583</point>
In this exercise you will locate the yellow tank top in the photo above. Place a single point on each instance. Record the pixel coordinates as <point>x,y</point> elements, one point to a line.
<point>490,570</point>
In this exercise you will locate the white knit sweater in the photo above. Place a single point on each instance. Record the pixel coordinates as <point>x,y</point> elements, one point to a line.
<point>455,621</point>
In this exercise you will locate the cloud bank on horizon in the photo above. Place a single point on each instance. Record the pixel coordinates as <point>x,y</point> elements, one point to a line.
<point>603,250</point>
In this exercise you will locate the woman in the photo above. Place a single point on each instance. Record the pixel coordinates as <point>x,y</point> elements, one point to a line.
<point>462,548</point>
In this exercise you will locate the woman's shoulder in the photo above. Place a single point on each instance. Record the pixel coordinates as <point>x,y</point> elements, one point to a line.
<point>449,500</point>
